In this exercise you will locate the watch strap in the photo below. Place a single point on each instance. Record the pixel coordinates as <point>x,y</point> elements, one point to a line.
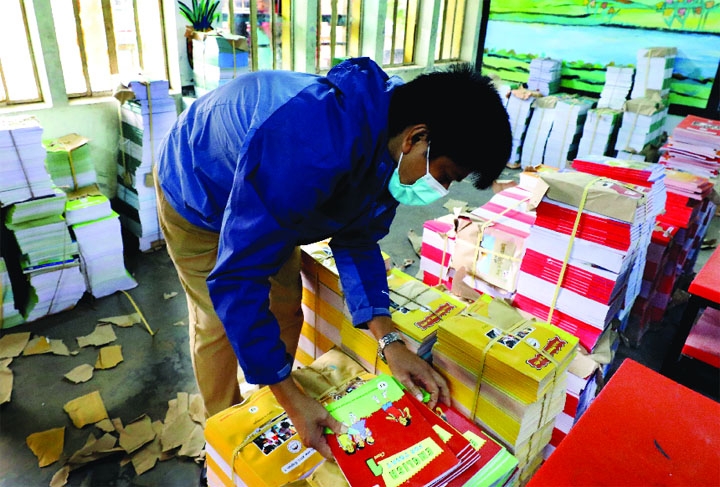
<point>386,340</point>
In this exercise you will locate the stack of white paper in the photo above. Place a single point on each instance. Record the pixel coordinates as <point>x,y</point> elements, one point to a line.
<point>9,316</point>
<point>86,208</point>
<point>618,81</point>
<point>144,124</point>
<point>599,131</point>
<point>54,289</point>
<point>519,109</point>
<point>545,75</point>
<point>654,71</point>
<point>101,256</point>
<point>562,143</point>
<point>541,121</point>
<point>43,242</point>
<point>642,124</point>
<point>69,162</point>
<point>22,161</point>
<point>37,209</point>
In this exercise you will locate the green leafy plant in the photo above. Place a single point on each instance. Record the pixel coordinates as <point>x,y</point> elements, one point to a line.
<point>202,14</point>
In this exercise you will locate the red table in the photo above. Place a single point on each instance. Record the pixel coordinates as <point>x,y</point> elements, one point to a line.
<point>704,291</point>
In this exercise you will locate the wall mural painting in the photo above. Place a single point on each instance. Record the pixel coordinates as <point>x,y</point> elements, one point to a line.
<point>589,35</point>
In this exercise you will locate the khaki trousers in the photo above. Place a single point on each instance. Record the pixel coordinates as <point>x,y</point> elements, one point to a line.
<point>193,251</point>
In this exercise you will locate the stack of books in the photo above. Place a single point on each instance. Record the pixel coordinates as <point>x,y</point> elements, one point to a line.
<point>541,121</point>
<point>545,75</point>
<point>417,310</point>
<point>145,122</point>
<point>618,81</point>
<point>22,170</point>
<point>519,108</point>
<point>10,315</point>
<point>490,259</point>
<point>653,71</point>
<point>599,132</point>
<point>383,412</point>
<point>54,288</point>
<point>217,58</point>
<point>579,259</point>
<point>693,147</point>
<point>507,373</point>
<point>69,162</point>
<point>642,124</point>
<point>41,232</point>
<point>564,137</point>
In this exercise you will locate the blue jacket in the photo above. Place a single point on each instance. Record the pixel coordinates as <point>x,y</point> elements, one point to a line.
<point>277,159</point>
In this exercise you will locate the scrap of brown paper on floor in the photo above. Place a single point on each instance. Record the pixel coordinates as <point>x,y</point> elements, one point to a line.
<point>87,409</point>
<point>81,373</point>
<point>13,344</point>
<point>102,335</point>
<point>47,445</point>
<point>6,380</point>
<point>123,321</point>
<point>109,357</point>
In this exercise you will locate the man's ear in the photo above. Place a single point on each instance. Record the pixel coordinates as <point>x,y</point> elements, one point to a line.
<point>415,134</point>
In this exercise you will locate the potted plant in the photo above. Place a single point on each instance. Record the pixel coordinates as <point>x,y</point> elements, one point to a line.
<point>201,15</point>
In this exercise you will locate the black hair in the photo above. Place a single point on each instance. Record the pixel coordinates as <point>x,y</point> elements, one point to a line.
<point>465,117</point>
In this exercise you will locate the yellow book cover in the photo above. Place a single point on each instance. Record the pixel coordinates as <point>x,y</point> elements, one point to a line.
<point>255,443</point>
<point>417,308</point>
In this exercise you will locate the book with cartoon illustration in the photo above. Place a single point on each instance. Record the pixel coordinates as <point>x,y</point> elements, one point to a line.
<point>388,442</point>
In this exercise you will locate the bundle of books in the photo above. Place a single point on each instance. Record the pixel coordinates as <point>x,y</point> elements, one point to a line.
<point>490,263</point>
<point>653,71</point>
<point>9,316</point>
<point>642,124</point>
<point>387,427</point>
<point>564,137</point>
<point>519,108</point>
<point>416,310</point>
<point>255,443</point>
<point>703,342</point>
<point>69,162</point>
<point>599,132</point>
<point>217,58</point>
<point>694,147</point>
<point>579,258</point>
<point>545,75</point>
<point>507,373</point>
<point>618,81</point>
<point>22,161</point>
<point>41,232</point>
<point>54,288</point>
<point>541,121</point>
<point>145,122</point>
<point>648,175</point>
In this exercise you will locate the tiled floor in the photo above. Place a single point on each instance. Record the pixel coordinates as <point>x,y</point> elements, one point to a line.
<point>157,367</point>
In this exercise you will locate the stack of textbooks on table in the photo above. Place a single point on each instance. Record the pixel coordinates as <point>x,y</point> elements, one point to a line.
<point>541,121</point>
<point>545,75</point>
<point>581,252</point>
<point>487,243</point>
<point>618,81</point>
<point>642,124</point>
<point>653,72</point>
<point>564,137</point>
<point>519,108</point>
<point>217,59</point>
<point>145,122</point>
<point>693,147</point>
<point>69,162</point>
<point>507,373</point>
<point>22,161</point>
<point>599,132</point>
<point>9,315</point>
<point>97,230</point>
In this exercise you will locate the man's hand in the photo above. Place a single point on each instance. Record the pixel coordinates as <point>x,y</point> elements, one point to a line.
<point>412,371</point>
<point>415,373</point>
<point>308,416</point>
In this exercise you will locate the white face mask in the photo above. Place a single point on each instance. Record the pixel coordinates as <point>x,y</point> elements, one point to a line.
<point>422,192</point>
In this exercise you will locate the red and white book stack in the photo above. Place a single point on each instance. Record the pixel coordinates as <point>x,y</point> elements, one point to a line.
<point>693,147</point>
<point>491,266</point>
<point>575,277</point>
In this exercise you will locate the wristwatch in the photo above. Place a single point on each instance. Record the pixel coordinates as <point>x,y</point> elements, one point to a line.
<point>386,340</point>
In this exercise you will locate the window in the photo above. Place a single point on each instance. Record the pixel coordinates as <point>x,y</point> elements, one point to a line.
<point>18,73</point>
<point>100,39</point>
